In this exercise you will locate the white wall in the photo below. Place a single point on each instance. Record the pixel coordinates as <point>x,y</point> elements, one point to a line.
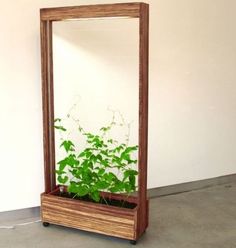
<point>96,72</point>
<point>192,94</point>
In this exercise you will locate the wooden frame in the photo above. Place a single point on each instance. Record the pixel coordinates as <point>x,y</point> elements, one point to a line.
<point>130,10</point>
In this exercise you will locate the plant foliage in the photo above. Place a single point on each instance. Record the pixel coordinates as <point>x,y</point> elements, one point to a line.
<point>103,165</point>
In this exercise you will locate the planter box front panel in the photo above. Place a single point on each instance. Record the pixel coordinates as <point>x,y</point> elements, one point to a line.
<point>88,216</point>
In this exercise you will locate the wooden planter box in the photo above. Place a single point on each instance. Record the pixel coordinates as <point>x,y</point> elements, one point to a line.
<point>94,217</point>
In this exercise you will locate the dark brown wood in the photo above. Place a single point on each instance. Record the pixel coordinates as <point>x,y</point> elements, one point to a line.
<point>143,116</point>
<point>91,11</point>
<point>51,108</point>
<point>51,210</point>
<point>48,105</point>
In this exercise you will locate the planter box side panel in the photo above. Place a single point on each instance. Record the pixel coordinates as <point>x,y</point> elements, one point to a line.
<point>142,226</point>
<point>97,218</point>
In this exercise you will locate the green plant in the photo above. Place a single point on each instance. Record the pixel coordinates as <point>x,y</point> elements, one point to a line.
<point>103,165</point>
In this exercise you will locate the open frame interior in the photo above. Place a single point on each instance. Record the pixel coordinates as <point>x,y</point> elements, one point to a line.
<point>121,10</point>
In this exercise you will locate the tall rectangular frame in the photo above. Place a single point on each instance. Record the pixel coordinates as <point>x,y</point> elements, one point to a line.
<point>130,10</point>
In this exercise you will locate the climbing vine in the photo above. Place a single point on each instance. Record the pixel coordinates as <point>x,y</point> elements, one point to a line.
<point>104,164</point>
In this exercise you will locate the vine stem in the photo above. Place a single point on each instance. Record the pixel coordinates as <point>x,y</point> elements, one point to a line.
<point>105,200</point>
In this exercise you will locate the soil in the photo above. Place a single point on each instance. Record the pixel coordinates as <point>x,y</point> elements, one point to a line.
<point>106,201</point>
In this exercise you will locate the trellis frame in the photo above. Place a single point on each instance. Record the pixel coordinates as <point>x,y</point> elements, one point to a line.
<point>128,10</point>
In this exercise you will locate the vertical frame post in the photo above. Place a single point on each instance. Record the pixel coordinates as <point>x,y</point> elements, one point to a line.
<point>48,105</point>
<point>143,116</point>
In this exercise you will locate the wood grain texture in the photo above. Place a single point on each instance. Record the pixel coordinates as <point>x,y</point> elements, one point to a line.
<point>48,105</point>
<point>143,117</point>
<point>88,216</point>
<point>91,11</point>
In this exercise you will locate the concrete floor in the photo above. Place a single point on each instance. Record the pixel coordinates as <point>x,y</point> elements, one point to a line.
<point>198,219</point>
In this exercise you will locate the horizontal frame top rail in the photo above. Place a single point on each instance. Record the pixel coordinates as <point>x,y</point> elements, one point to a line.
<point>131,10</point>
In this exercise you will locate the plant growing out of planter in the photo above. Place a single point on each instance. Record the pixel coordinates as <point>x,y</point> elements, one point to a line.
<point>104,172</point>
<point>103,165</point>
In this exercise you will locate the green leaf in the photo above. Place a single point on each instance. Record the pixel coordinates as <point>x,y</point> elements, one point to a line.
<point>80,190</point>
<point>129,173</point>
<point>105,163</point>
<point>110,177</point>
<point>102,185</point>
<point>89,135</point>
<point>131,149</point>
<point>72,188</point>
<point>62,180</point>
<point>125,156</point>
<point>121,185</point>
<point>95,196</point>
<point>57,119</point>
<point>93,158</point>
<point>60,172</point>
<point>68,145</point>
<point>76,172</point>
<point>60,128</point>
<point>128,187</point>
<point>105,152</point>
<point>116,160</point>
<point>99,157</point>
<point>114,189</point>
<point>82,154</point>
<point>105,129</point>
<point>88,154</point>
<point>72,161</point>
<point>101,172</point>
<point>62,164</point>
<point>132,182</point>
